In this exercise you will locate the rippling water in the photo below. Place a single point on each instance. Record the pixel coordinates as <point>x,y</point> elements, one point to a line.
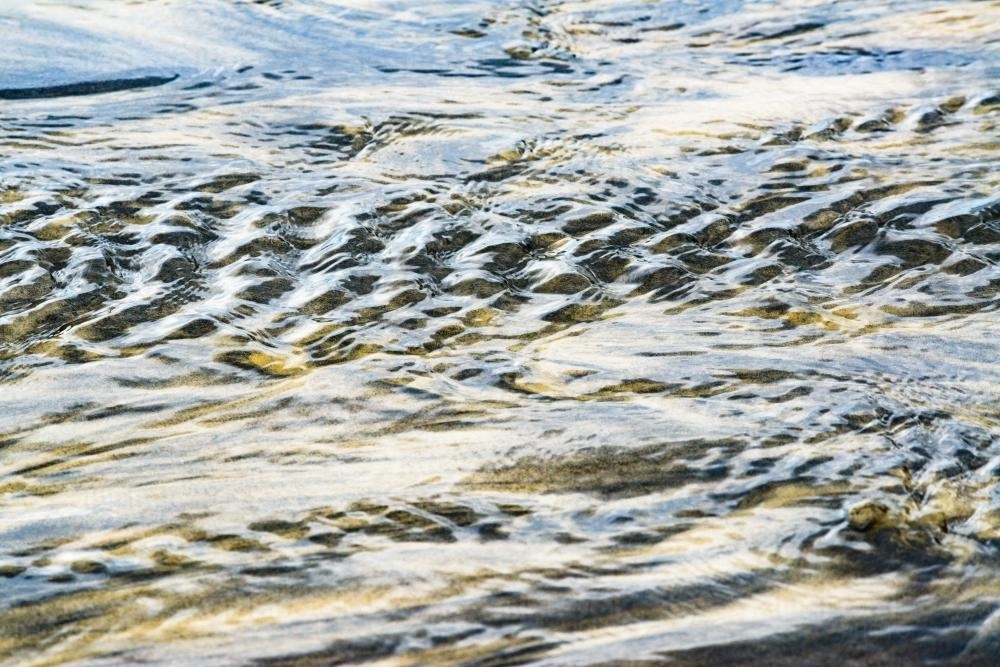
<point>557,332</point>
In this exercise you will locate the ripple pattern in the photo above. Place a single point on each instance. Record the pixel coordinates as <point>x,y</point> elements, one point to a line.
<point>553,332</point>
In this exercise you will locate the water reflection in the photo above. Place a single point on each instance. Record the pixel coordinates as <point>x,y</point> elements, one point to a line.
<point>551,332</point>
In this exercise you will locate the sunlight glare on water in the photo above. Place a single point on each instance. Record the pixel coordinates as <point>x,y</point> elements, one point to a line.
<point>499,332</point>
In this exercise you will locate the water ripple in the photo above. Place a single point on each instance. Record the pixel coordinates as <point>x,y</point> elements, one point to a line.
<point>546,332</point>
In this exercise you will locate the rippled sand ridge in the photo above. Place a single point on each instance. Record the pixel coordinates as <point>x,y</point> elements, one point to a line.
<point>548,332</point>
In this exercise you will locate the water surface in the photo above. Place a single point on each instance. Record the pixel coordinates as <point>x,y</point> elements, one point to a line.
<point>499,332</point>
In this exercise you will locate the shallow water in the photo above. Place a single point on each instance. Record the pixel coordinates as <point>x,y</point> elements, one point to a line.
<point>492,333</point>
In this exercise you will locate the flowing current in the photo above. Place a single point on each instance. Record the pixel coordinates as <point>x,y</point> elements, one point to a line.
<point>549,332</point>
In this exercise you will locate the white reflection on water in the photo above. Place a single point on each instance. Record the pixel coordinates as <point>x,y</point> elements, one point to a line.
<point>498,332</point>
